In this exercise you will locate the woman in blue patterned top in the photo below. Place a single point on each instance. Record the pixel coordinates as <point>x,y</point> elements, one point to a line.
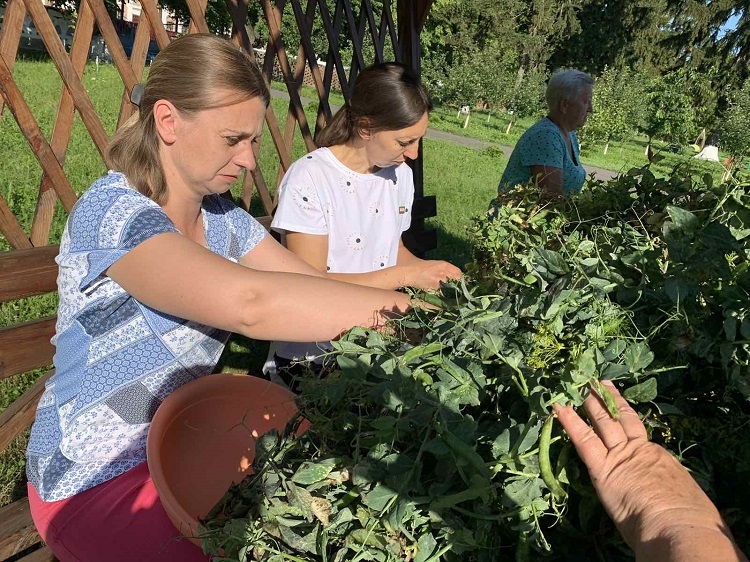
<point>156,269</point>
<point>548,152</point>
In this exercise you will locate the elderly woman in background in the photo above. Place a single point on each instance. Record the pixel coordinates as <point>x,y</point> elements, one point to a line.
<point>548,152</point>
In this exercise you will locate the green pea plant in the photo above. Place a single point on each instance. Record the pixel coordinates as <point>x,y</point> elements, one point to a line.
<point>436,439</point>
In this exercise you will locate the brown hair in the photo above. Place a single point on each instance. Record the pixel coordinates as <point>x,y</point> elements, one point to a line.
<point>194,72</point>
<point>386,97</point>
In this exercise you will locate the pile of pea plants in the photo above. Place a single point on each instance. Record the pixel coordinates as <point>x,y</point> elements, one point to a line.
<point>435,440</point>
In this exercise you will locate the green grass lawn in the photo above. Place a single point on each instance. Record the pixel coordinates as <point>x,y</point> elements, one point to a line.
<point>621,155</point>
<point>462,179</point>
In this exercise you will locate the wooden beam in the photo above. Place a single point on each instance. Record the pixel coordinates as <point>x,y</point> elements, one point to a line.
<point>24,347</point>
<point>11,228</point>
<point>33,134</point>
<point>19,416</point>
<point>45,206</point>
<point>17,529</point>
<point>10,34</point>
<point>29,272</point>
<point>68,74</point>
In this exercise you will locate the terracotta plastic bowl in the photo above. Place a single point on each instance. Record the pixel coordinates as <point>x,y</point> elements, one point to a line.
<point>202,439</point>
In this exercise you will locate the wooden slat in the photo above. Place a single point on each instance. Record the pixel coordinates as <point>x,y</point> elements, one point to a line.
<point>17,530</point>
<point>419,242</point>
<point>11,228</point>
<point>26,346</point>
<point>333,59</point>
<point>10,34</point>
<point>138,63</point>
<point>366,7</point>
<point>197,15</point>
<point>45,207</point>
<point>107,29</point>
<point>194,24</point>
<point>424,207</point>
<point>305,24</point>
<point>387,23</point>
<point>42,554</point>
<point>24,273</point>
<point>33,134</point>
<point>274,27</point>
<point>358,62</point>
<point>69,77</point>
<point>153,14</point>
<point>19,416</point>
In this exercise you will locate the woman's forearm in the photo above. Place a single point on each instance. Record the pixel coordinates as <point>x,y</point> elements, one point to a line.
<point>691,544</point>
<point>321,309</point>
<point>393,277</point>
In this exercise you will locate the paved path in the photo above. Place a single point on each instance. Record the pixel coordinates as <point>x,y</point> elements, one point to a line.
<point>476,144</point>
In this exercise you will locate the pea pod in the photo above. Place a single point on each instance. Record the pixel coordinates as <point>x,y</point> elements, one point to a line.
<point>545,466</point>
<point>607,398</point>
<point>463,450</point>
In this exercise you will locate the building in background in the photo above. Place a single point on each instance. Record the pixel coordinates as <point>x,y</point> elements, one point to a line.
<point>129,14</point>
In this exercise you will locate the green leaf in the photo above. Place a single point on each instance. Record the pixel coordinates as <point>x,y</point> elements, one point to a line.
<point>520,491</point>
<point>614,350</point>
<point>365,537</point>
<point>312,472</point>
<point>550,261</point>
<point>679,289</point>
<point>638,356</point>
<point>426,545</point>
<point>683,220</point>
<point>645,391</point>
<point>379,497</point>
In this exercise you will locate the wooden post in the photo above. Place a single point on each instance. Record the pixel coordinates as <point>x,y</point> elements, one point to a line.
<point>411,16</point>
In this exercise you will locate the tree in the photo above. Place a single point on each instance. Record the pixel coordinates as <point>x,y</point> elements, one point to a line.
<point>735,135</point>
<point>617,34</point>
<point>669,109</point>
<point>616,98</point>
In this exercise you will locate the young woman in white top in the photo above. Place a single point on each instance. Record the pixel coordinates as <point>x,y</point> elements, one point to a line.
<point>343,207</point>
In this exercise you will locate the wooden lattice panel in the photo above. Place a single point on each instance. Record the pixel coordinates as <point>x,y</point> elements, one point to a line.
<point>373,35</point>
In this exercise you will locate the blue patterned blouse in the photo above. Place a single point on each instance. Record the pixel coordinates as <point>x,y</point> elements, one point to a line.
<point>117,359</point>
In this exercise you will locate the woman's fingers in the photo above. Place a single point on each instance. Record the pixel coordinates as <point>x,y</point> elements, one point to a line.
<point>607,428</point>
<point>588,444</point>
<point>629,420</point>
<point>595,443</point>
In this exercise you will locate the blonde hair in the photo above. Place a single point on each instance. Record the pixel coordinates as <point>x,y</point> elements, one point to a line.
<point>386,97</point>
<point>194,73</point>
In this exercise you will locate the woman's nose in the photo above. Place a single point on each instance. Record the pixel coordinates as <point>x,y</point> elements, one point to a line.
<point>246,157</point>
<point>412,151</point>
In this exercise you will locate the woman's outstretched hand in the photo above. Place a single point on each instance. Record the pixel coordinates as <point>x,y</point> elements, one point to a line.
<point>656,505</point>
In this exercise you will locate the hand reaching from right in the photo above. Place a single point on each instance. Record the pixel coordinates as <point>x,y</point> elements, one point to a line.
<point>656,505</point>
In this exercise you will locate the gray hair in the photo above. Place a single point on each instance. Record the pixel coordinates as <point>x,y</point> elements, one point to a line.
<point>566,85</point>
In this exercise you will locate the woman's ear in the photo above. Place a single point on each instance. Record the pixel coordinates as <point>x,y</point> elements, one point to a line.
<point>165,118</point>
<point>364,129</point>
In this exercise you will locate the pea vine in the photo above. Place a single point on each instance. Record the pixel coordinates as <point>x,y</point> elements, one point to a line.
<point>436,440</point>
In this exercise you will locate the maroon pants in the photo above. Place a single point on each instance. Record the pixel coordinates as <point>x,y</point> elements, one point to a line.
<point>121,520</point>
